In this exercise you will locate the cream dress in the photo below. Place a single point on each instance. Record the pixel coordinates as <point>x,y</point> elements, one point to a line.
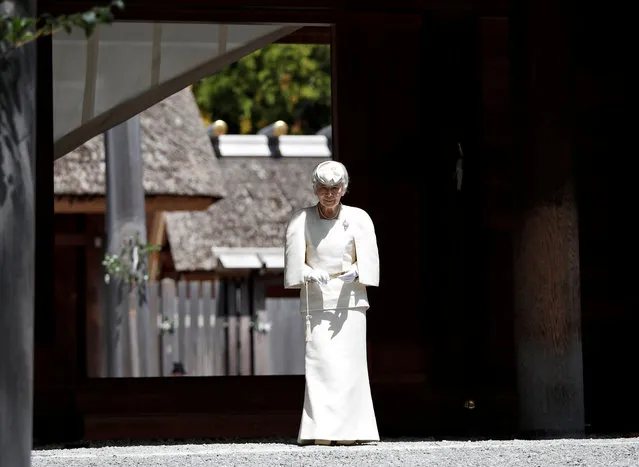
<point>337,398</point>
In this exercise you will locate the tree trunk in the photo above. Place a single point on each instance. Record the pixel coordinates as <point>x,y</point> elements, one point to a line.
<point>546,243</point>
<point>17,237</point>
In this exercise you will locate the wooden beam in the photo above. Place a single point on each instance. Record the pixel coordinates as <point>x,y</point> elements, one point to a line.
<point>156,236</point>
<point>291,11</point>
<point>97,205</point>
<point>308,35</point>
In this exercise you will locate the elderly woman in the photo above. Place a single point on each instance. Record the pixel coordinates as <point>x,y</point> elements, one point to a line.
<point>331,255</point>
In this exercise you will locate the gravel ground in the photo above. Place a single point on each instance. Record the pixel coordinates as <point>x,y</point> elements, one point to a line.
<point>520,453</point>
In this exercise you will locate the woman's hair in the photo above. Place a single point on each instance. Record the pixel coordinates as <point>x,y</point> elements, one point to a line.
<point>330,173</point>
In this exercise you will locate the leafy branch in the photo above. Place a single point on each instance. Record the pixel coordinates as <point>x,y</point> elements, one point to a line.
<point>19,30</point>
<point>130,266</point>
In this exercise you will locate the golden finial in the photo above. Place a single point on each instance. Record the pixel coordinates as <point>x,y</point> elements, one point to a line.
<point>280,128</point>
<point>219,127</point>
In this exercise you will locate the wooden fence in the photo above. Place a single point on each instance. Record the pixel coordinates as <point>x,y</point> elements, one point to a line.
<point>208,328</point>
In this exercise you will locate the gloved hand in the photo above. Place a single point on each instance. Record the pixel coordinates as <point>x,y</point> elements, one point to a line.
<point>350,275</point>
<point>317,275</point>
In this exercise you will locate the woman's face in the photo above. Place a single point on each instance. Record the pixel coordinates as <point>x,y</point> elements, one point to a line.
<point>329,196</point>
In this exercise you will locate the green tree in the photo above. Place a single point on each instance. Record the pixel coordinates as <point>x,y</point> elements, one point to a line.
<point>290,82</point>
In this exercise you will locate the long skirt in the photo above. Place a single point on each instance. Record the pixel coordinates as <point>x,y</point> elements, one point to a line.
<point>337,399</point>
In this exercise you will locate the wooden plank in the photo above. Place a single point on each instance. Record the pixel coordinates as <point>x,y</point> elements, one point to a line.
<point>193,330</point>
<point>97,205</point>
<point>134,347</point>
<point>261,332</point>
<point>191,425</point>
<point>184,323</point>
<point>233,342</point>
<point>232,332</point>
<point>249,406</point>
<point>246,346</point>
<point>208,326</point>
<point>153,292</point>
<point>157,236</point>
<point>146,336</point>
<point>309,12</point>
<point>168,312</point>
<point>220,326</point>
<point>219,344</point>
<point>262,351</point>
<point>202,326</point>
<point>286,337</point>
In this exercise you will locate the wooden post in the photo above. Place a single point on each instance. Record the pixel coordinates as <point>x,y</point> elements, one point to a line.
<point>546,246</point>
<point>17,244</point>
<point>125,218</point>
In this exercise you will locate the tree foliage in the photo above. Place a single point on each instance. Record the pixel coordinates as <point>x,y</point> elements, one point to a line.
<point>289,82</point>
<point>19,30</point>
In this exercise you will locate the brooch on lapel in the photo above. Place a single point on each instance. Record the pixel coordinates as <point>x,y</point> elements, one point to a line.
<point>345,223</point>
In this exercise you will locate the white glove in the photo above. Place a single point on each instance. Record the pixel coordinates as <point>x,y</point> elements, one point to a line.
<point>317,275</point>
<point>350,275</point>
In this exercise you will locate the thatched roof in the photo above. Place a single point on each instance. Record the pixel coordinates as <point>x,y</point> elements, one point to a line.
<point>262,194</point>
<point>178,156</point>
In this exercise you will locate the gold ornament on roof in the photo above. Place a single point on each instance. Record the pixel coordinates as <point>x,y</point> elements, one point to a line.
<point>219,127</point>
<point>280,128</point>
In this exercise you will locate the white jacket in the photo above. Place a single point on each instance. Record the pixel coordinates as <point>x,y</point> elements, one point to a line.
<point>333,246</point>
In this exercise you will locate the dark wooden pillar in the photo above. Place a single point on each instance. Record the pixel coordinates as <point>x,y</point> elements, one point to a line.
<point>607,233</point>
<point>17,230</point>
<point>400,106</point>
<point>546,247</point>
<point>55,346</point>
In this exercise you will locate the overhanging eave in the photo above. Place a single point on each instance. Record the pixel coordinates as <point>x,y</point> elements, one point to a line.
<point>125,68</point>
